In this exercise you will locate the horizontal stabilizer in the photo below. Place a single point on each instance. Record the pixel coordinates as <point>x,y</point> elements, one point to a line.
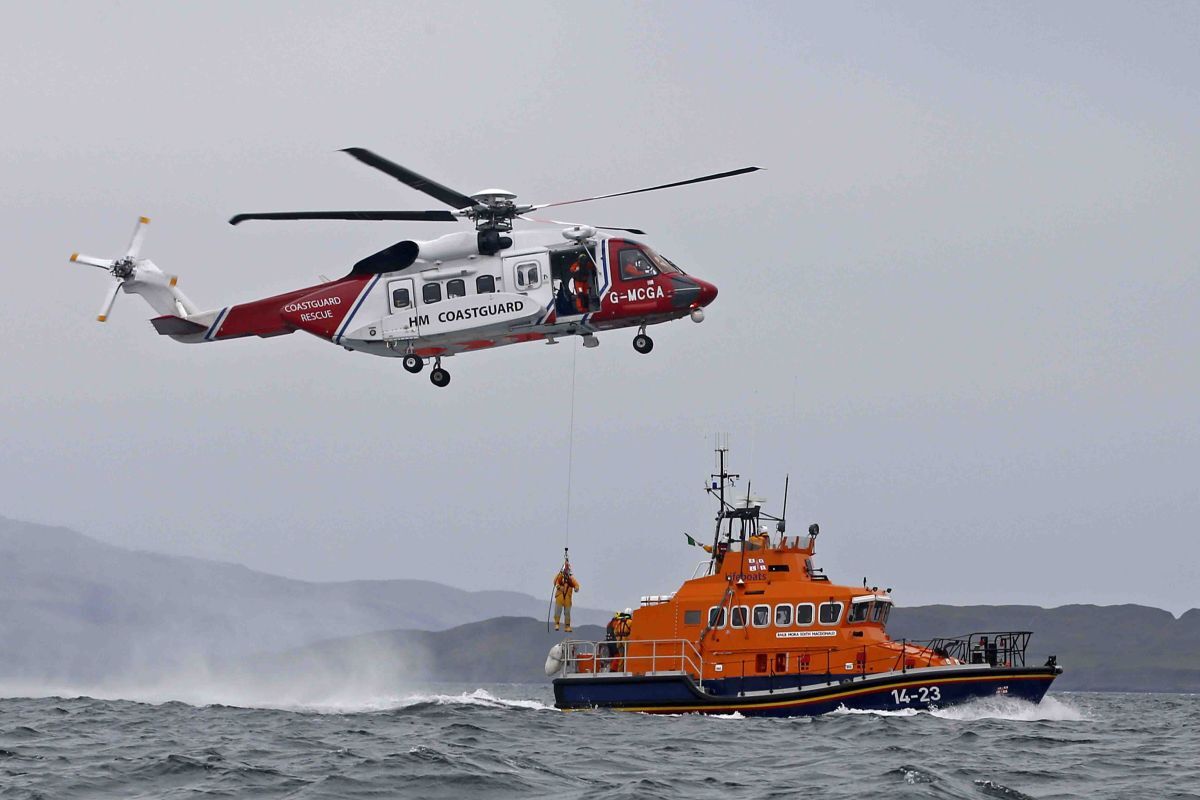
<point>176,326</point>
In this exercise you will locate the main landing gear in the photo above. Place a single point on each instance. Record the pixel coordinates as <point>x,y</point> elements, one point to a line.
<point>643,343</point>
<point>439,377</point>
<point>413,363</point>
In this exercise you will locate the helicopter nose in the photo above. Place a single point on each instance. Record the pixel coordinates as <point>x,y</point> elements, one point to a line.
<point>708,292</point>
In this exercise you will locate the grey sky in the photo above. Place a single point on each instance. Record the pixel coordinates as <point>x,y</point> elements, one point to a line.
<point>959,307</point>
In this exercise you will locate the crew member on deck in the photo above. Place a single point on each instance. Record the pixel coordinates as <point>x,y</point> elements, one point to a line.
<point>621,630</point>
<point>565,586</point>
<point>608,651</point>
<point>760,541</point>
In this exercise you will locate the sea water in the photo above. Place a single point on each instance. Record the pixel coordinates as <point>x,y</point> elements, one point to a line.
<point>508,741</point>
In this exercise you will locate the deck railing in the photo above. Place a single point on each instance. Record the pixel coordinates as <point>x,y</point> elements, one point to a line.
<point>665,655</point>
<point>995,648</point>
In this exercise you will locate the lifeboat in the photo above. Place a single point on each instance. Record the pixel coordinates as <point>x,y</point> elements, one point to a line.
<point>761,631</point>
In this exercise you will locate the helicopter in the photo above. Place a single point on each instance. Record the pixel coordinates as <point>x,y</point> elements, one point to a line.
<point>422,301</point>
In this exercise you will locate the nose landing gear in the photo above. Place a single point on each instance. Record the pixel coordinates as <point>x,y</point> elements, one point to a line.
<point>643,343</point>
<point>439,377</point>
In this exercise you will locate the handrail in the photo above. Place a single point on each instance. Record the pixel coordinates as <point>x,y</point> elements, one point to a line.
<point>680,652</point>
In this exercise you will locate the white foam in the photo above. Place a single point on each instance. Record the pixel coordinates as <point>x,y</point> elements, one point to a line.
<point>479,697</point>
<point>1006,708</point>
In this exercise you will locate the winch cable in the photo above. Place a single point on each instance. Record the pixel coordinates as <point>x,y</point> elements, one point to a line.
<point>570,478</point>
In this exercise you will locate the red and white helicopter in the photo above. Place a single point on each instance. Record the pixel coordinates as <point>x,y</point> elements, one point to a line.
<point>472,290</point>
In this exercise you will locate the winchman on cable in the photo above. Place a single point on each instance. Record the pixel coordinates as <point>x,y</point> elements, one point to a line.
<point>565,586</point>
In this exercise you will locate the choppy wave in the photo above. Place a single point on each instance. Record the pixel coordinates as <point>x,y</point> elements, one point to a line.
<point>497,741</point>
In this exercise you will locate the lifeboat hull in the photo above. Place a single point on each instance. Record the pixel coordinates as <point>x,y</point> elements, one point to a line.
<point>678,693</point>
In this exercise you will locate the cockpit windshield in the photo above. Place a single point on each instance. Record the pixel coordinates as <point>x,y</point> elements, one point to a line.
<point>640,261</point>
<point>664,264</point>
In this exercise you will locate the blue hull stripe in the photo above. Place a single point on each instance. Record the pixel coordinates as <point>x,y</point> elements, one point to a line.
<point>337,339</point>
<point>212,330</point>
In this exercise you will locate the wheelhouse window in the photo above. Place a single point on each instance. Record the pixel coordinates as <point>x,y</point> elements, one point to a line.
<point>783,616</point>
<point>830,613</point>
<point>485,284</point>
<point>804,614</point>
<point>880,613</point>
<point>456,288</point>
<point>401,298</point>
<point>859,612</point>
<point>431,293</point>
<point>636,265</point>
<point>716,617</point>
<point>762,616</point>
<point>691,617</point>
<point>738,616</point>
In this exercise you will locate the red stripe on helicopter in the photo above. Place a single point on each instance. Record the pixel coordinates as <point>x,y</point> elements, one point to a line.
<point>284,313</point>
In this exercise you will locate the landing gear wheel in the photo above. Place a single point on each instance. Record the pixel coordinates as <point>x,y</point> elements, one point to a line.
<point>413,364</point>
<point>643,343</point>
<point>440,377</point>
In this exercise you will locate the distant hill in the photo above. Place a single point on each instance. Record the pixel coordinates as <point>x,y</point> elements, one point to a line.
<point>1102,648</point>
<point>74,609</point>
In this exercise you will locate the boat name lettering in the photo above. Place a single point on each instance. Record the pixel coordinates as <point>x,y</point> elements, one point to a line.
<point>803,634</point>
<point>491,310</point>
<point>306,305</point>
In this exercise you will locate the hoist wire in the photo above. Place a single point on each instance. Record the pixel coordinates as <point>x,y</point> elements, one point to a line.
<point>571,445</point>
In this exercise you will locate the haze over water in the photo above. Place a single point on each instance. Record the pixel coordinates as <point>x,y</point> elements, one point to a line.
<point>506,741</point>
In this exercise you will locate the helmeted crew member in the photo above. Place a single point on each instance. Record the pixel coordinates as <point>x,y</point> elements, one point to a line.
<point>579,285</point>
<point>622,626</point>
<point>608,652</point>
<point>760,540</point>
<point>565,586</point>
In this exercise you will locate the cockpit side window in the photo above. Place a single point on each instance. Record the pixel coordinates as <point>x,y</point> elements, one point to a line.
<point>636,265</point>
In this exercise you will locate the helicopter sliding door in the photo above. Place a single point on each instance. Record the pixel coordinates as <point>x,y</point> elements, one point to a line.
<point>402,321</point>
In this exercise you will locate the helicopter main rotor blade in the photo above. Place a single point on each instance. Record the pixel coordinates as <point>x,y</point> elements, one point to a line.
<point>410,216</point>
<point>717,176</point>
<point>419,182</point>
<point>544,221</point>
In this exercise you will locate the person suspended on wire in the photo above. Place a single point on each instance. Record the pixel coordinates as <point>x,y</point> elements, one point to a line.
<point>565,586</point>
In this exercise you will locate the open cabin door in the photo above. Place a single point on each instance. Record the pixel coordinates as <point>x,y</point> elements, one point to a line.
<point>402,321</point>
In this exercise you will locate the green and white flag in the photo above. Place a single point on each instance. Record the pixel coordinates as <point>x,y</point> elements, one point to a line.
<point>692,541</point>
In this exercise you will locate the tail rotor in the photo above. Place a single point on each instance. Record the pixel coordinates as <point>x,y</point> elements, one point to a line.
<point>122,269</point>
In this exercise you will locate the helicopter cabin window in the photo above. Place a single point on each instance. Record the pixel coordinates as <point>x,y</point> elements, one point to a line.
<point>456,288</point>
<point>716,617</point>
<point>783,616</point>
<point>738,616</point>
<point>528,276</point>
<point>830,613</point>
<point>636,265</point>
<point>761,616</point>
<point>401,298</point>
<point>804,614</point>
<point>431,293</point>
<point>485,284</point>
<point>859,612</point>
<point>691,617</point>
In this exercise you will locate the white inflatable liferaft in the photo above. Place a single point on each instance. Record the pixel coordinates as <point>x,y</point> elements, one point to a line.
<point>554,660</point>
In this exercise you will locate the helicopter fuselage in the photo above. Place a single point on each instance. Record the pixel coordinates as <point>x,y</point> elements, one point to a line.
<point>539,288</point>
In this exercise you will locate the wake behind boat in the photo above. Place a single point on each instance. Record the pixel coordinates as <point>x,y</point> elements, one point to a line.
<point>761,631</point>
